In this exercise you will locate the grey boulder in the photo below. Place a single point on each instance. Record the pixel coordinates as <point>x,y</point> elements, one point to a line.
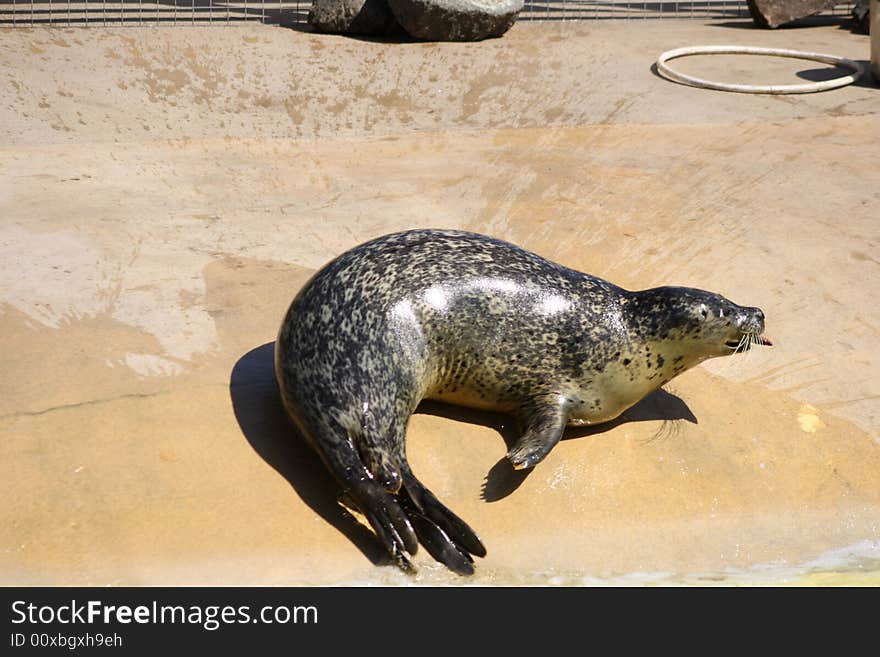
<point>455,20</point>
<point>773,13</point>
<point>363,17</point>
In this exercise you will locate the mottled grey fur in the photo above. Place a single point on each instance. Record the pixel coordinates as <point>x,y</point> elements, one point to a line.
<point>472,320</point>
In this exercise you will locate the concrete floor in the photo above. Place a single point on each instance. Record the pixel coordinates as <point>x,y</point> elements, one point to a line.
<point>165,192</point>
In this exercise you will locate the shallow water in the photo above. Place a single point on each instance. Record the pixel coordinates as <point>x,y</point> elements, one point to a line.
<point>854,565</point>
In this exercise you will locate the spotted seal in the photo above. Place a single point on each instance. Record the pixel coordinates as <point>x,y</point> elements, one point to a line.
<point>472,320</point>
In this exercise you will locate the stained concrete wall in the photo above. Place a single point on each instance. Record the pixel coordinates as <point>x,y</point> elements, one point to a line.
<point>165,192</point>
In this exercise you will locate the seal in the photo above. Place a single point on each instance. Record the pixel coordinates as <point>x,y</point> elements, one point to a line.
<point>471,320</point>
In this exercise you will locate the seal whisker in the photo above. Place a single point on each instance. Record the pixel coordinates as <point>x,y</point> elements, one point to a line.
<point>751,352</point>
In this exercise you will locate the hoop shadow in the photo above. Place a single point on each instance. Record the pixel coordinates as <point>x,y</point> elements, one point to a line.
<point>831,72</point>
<point>265,425</point>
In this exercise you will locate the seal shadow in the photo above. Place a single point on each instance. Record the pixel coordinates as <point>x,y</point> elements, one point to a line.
<point>502,479</point>
<point>264,423</point>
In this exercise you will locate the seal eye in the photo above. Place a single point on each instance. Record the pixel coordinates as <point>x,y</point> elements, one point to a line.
<point>704,312</point>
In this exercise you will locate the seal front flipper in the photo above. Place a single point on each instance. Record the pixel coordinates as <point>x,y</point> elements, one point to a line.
<point>544,427</point>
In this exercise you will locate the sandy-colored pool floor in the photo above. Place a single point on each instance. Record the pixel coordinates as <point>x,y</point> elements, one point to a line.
<point>165,192</point>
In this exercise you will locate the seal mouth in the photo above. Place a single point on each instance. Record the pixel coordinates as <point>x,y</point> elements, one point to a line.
<point>747,341</point>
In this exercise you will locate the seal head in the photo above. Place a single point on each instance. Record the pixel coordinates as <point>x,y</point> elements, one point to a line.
<point>708,323</point>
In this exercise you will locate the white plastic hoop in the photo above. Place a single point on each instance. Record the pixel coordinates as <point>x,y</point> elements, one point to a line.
<point>667,72</point>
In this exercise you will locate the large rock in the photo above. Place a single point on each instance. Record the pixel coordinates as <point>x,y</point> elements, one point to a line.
<point>364,17</point>
<point>456,20</point>
<point>773,13</point>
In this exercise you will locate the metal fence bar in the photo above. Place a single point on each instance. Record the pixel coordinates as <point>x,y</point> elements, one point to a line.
<point>25,13</point>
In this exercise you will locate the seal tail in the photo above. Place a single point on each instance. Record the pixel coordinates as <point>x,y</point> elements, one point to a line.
<point>445,536</point>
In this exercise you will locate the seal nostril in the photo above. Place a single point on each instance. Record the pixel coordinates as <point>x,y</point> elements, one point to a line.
<point>756,320</point>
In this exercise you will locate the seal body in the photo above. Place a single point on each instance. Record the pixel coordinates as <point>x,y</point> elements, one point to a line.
<point>471,320</point>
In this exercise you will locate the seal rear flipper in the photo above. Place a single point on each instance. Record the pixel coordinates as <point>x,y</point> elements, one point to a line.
<point>431,509</point>
<point>441,547</point>
<point>345,500</point>
<point>385,515</point>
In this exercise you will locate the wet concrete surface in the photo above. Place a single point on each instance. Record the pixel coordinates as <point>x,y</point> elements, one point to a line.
<point>165,192</point>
